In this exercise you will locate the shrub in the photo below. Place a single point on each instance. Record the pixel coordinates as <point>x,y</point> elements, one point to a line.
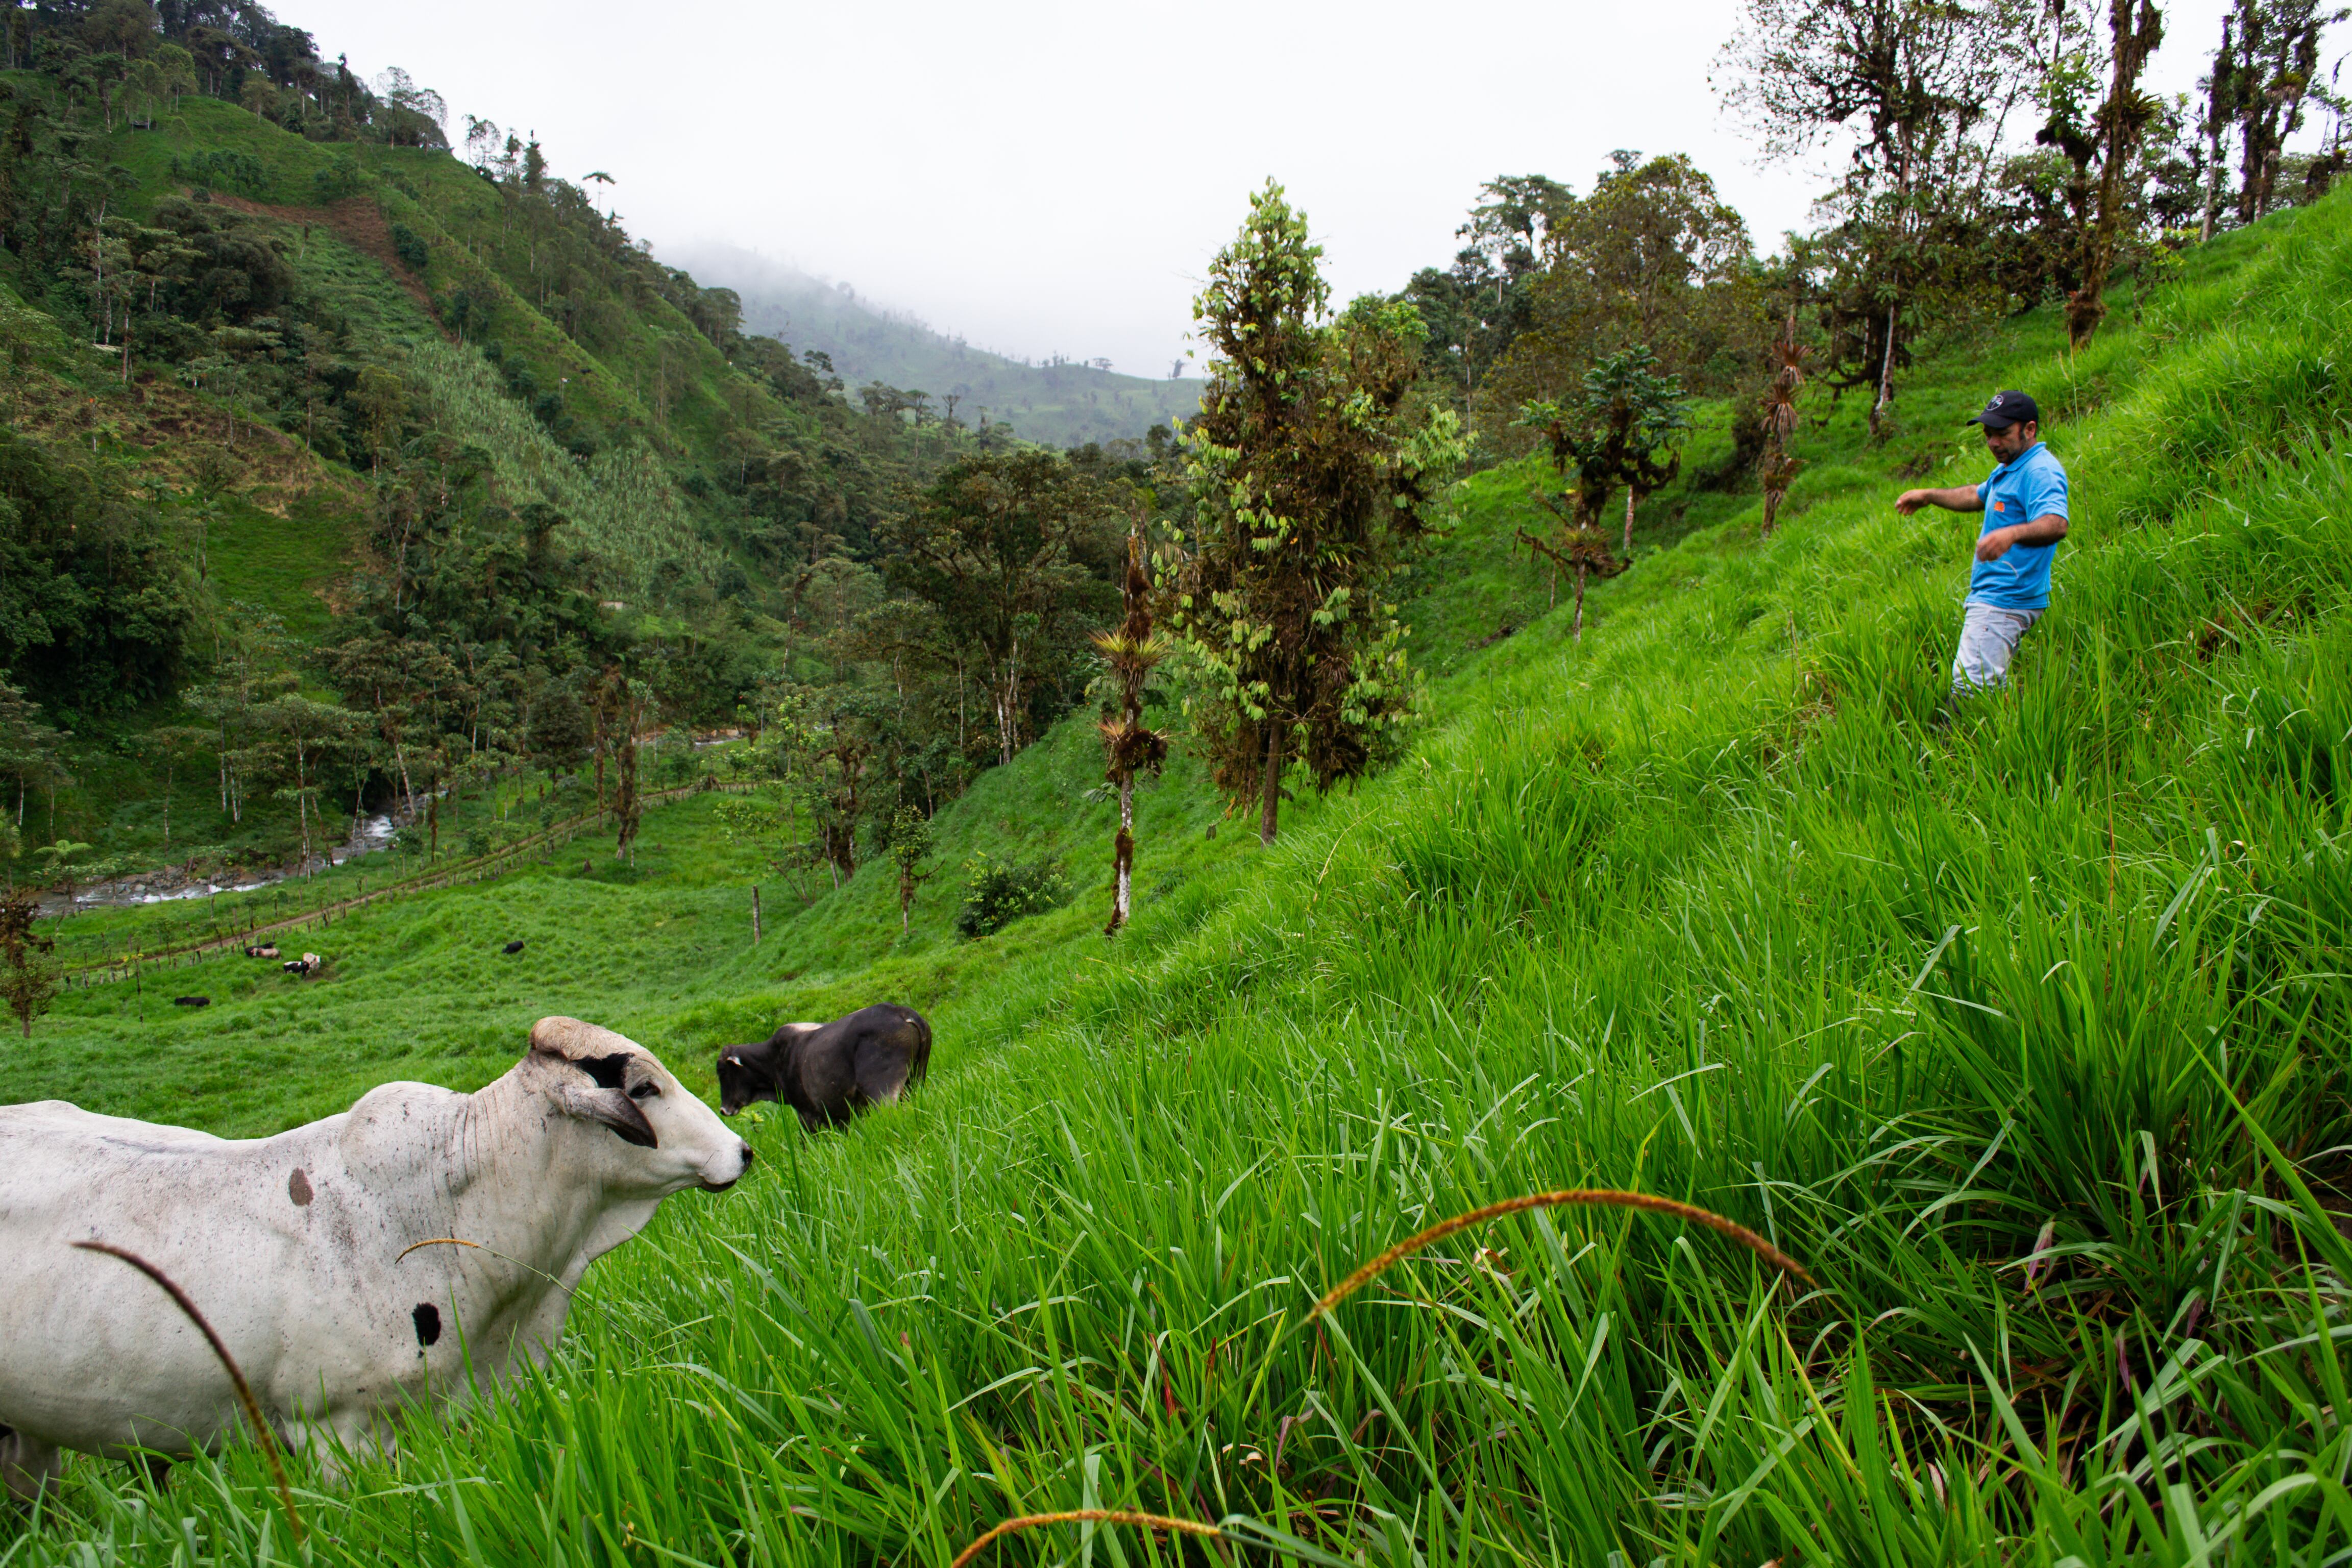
<point>410,247</point>
<point>998,892</point>
<point>339,179</point>
<point>222,171</point>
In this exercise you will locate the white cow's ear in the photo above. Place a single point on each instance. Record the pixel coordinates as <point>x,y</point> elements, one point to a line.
<point>602,1056</point>
<point>611,1107</point>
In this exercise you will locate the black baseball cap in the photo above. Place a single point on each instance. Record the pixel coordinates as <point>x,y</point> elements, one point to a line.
<point>2007,408</point>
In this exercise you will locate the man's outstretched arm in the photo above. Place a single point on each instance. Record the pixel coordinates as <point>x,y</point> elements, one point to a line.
<point>1959,498</point>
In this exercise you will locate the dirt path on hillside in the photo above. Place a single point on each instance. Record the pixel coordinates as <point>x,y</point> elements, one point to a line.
<point>358,222</point>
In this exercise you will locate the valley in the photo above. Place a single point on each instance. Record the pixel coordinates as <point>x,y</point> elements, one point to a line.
<point>1546,776</point>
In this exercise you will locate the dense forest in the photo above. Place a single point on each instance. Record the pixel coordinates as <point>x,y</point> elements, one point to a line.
<point>354,460</point>
<point>394,464</point>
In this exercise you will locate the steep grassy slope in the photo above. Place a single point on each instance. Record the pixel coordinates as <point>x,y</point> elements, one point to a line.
<point>477,240</point>
<point>563,376</point>
<point>2026,1035</point>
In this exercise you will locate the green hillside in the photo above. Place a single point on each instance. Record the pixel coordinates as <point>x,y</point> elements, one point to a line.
<point>1061,402</point>
<point>314,423</point>
<point>2024,1033</point>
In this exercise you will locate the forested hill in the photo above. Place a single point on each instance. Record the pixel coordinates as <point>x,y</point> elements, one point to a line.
<point>348,462</point>
<point>1060,402</point>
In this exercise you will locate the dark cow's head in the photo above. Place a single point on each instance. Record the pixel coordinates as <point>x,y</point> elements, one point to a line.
<point>745,1074</point>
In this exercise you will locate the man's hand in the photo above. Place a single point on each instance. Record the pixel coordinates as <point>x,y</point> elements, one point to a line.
<point>2048,529</point>
<point>1960,498</point>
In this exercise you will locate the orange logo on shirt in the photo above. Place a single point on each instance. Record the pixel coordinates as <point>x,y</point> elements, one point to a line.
<point>2001,506</point>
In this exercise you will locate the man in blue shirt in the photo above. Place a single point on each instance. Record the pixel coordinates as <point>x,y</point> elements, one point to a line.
<point>2024,507</point>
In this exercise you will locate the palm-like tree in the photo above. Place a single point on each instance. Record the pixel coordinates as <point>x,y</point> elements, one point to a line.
<point>1776,468</point>
<point>1131,652</point>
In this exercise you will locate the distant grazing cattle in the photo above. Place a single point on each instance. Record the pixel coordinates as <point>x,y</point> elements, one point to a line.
<point>511,947</point>
<point>307,965</point>
<point>317,1255</point>
<point>829,1072</point>
<point>191,1001</point>
<point>268,950</point>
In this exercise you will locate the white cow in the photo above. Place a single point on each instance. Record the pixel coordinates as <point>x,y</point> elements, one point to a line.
<point>293,1247</point>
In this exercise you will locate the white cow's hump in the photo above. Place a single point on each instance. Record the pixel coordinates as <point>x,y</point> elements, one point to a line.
<point>403,1095</point>
<point>398,1132</point>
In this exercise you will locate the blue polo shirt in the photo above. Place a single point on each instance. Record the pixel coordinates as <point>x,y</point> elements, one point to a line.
<point>2031,485</point>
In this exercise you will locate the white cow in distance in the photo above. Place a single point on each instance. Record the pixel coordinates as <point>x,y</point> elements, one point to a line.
<point>292,1248</point>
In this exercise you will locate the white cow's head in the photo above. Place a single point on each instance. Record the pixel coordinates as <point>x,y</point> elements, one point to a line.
<point>663,1139</point>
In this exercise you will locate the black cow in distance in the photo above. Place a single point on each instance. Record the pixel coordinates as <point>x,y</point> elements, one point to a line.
<point>829,1072</point>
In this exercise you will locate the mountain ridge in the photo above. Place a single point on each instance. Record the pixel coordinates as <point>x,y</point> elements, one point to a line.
<point>1062,403</point>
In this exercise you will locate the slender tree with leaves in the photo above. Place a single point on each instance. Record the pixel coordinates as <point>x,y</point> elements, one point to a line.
<point>2273,78</point>
<point>1313,471</point>
<point>28,747</point>
<point>307,736</point>
<point>1615,435</point>
<point>909,842</point>
<point>1006,549</point>
<point>1625,430</point>
<point>2107,136</point>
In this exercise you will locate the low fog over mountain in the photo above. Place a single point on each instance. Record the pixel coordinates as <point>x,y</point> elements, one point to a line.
<point>1059,402</point>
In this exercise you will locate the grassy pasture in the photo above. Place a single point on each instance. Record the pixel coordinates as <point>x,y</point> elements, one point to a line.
<point>660,950</point>
<point>2027,1035</point>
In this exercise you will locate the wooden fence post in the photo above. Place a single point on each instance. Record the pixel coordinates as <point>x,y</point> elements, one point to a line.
<point>755,917</point>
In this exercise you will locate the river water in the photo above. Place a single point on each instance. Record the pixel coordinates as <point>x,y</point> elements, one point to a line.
<point>166,884</point>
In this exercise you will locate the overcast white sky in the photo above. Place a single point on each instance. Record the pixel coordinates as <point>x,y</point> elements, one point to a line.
<point>1047,177</point>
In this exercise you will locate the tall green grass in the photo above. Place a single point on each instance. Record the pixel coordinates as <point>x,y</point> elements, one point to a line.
<point>2026,1035</point>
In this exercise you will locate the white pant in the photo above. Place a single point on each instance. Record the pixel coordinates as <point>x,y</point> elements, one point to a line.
<point>1989,639</point>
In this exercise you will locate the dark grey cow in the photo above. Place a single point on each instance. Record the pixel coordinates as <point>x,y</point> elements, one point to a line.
<point>830,1072</point>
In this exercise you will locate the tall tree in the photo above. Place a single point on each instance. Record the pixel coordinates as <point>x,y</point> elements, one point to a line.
<point>1311,473</point>
<point>2273,75</point>
<point>1654,257</point>
<point>307,736</point>
<point>908,841</point>
<point>1008,549</point>
<point>168,744</point>
<point>28,747</point>
<point>1475,310</point>
<point>401,680</point>
<point>1924,89</point>
<point>2107,137</point>
<point>624,707</point>
<point>2219,120</point>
